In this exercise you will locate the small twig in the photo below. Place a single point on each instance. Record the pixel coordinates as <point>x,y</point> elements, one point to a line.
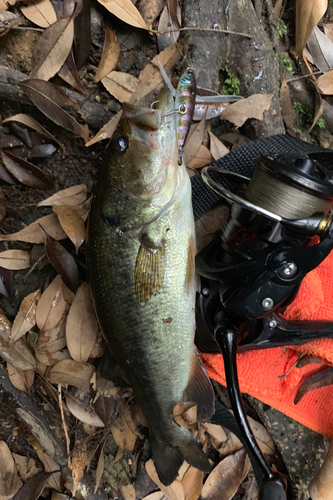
<point>300,356</point>
<point>65,428</point>
<point>309,68</point>
<point>212,30</point>
<point>33,267</point>
<point>304,76</point>
<point>21,28</point>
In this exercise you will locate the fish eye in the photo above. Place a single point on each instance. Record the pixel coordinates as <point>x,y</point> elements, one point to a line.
<point>121,143</point>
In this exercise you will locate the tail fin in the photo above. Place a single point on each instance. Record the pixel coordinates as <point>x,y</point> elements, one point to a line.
<point>169,457</point>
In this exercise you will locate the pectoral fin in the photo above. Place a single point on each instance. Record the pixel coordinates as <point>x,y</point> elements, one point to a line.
<point>149,272</point>
<point>199,390</point>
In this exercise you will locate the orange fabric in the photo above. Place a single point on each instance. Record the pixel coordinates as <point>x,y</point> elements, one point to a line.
<point>259,371</point>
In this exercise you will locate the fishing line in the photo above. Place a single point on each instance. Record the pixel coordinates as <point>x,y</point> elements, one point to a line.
<point>283,194</point>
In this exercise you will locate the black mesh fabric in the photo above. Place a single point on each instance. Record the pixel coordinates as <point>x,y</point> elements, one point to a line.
<point>241,161</point>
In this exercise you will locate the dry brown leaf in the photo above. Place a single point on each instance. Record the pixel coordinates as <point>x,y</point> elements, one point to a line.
<point>107,130</point>
<point>217,434</point>
<point>186,414</point>
<point>48,358</point>
<point>18,354</point>
<point>35,234</point>
<point>120,85</point>
<point>124,429</point>
<point>110,55</point>
<point>166,23</point>
<point>224,480</point>
<point>40,12</point>
<point>194,140</point>
<point>97,350</point>
<point>128,492</point>
<point>26,317</point>
<point>80,458</point>
<point>308,14</point>
<point>70,196</point>
<point>287,109</point>
<point>320,49</point>
<point>49,466</point>
<point>150,77</point>
<point>126,11</point>
<point>22,380</point>
<point>252,107</point>
<point>328,30</point>
<point>173,492</point>
<point>192,483</point>
<point>81,412</point>
<point>33,488</point>
<point>30,122</point>
<point>150,10</point>
<point>99,469</point>
<point>263,437</point>
<point>10,483</point>
<point>52,48</point>
<point>72,224</point>
<point>157,495</point>
<point>81,326</point>
<point>322,378</point>
<point>202,158</point>
<point>14,259</point>
<point>73,373</point>
<point>51,305</point>
<point>6,4</point>
<point>54,339</point>
<point>325,83</point>
<point>26,466</point>
<point>25,172</point>
<point>319,108</point>
<point>217,148</point>
<point>277,8</point>
<point>50,100</point>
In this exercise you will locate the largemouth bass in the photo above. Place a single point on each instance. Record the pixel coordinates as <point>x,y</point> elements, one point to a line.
<point>141,250</point>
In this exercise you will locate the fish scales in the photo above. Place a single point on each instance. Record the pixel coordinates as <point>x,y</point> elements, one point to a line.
<point>141,249</point>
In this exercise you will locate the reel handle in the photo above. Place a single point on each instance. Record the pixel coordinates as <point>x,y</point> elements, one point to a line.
<point>272,487</point>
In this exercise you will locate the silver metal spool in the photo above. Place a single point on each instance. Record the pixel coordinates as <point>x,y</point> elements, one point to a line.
<point>233,197</point>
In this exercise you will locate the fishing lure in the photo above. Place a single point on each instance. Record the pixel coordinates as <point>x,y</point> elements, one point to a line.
<point>184,105</point>
<point>185,100</point>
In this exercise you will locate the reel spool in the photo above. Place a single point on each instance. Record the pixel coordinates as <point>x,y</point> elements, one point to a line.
<point>290,186</point>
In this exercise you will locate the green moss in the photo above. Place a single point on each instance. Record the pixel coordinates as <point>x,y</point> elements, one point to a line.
<point>321,123</point>
<point>281,29</point>
<point>306,116</point>
<point>231,83</point>
<point>300,134</point>
<point>304,113</point>
<point>284,59</point>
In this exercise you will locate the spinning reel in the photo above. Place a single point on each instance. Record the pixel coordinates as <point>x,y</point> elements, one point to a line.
<point>279,228</point>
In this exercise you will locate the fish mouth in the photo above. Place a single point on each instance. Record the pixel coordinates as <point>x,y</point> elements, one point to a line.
<point>149,118</point>
<point>146,124</point>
